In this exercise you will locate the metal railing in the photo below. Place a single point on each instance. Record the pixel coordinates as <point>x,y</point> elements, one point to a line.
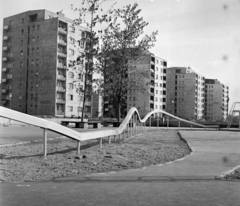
<point>131,125</point>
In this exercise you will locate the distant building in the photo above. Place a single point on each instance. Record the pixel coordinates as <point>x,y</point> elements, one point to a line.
<point>155,95</point>
<point>39,73</point>
<point>185,93</point>
<point>216,100</point>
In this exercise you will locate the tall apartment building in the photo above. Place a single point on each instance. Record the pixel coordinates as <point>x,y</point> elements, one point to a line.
<point>216,100</point>
<point>155,95</point>
<point>40,74</point>
<point>185,89</point>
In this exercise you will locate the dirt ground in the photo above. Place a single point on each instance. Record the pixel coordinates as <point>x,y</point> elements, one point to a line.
<point>25,162</point>
<point>233,176</point>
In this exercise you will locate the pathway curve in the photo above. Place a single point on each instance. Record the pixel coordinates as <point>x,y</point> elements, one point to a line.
<point>189,181</point>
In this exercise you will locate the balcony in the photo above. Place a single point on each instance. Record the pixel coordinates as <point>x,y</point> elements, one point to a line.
<point>62,42</point>
<point>61,66</point>
<point>61,77</point>
<point>61,89</point>
<point>5,38</point>
<point>4,59</point>
<point>4,91</point>
<point>60,101</point>
<point>4,80</point>
<point>62,30</point>
<point>62,54</point>
<point>6,27</point>
<point>4,69</point>
<point>59,112</point>
<point>5,48</point>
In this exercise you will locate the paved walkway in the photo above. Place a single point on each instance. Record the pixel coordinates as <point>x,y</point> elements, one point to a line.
<point>189,181</point>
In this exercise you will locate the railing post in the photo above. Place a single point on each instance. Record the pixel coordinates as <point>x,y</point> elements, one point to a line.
<point>109,139</point>
<point>124,134</point>
<point>191,126</point>
<point>157,122</point>
<point>100,142</point>
<point>127,128</point>
<point>131,128</point>
<point>114,138</point>
<point>178,125</point>
<point>78,147</point>
<point>150,122</point>
<point>167,121</point>
<point>44,143</point>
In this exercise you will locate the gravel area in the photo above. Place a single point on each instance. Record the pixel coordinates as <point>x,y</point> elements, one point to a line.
<point>232,176</point>
<point>25,162</point>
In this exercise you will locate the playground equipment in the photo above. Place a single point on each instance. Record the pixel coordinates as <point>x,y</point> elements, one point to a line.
<point>232,113</point>
<point>131,125</point>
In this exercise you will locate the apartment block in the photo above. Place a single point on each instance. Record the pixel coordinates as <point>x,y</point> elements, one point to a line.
<point>41,74</point>
<point>216,100</point>
<point>155,95</point>
<point>185,89</point>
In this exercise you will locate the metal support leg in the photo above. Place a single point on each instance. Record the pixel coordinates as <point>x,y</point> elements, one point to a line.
<point>44,142</point>
<point>78,147</point>
<point>100,142</point>
<point>150,123</point>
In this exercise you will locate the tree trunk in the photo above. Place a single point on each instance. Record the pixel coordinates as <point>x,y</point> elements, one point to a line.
<point>119,112</point>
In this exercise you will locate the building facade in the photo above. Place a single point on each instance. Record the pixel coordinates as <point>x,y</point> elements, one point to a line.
<point>40,74</point>
<point>154,96</point>
<point>185,89</point>
<point>216,100</point>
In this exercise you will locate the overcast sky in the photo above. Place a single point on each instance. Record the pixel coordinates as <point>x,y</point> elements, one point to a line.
<point>202,34</point>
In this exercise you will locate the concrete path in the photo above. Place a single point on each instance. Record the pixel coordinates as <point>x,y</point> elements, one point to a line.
<point>189,181</point>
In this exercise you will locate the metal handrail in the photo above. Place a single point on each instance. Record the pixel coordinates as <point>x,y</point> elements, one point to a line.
<point>131,118</point>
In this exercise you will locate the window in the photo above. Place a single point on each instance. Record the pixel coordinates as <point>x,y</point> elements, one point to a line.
<point>70,108</point>
<point>37,38</point>
<point>33,39</point>
<point>22,20</point>
<point>71,85</point>
<point>70,97</point>
<point>21,53</point>
<point>71,52</point>
<point>33,28</point>
<point>21,42</point>
<point>22,31</point>
<point>21,64</point>
<point>38,27</point>
<point>72,29</point>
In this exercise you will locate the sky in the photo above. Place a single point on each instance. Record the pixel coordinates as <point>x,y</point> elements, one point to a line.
<point>201,34</point>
